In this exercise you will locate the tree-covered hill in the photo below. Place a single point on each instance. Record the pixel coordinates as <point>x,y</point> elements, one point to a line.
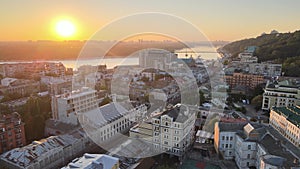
<point>280,48</point>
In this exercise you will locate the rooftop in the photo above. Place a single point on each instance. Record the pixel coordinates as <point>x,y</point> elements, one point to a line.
<point>279,151</point>
<point>179,113</point>
<point>274,148</point>
<point>105,114</point>
<point>91,161</point>
<point>292,114</point>
<point>29,154</point>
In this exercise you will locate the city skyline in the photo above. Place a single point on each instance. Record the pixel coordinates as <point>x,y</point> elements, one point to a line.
<point>218,20</point>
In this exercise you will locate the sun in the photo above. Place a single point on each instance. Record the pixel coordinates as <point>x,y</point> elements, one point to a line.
<point>65,28</point>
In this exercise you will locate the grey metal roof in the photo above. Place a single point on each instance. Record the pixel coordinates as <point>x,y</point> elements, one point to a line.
<point>105,114</point>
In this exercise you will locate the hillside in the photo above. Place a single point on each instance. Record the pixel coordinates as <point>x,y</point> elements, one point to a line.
<point>281,48</point>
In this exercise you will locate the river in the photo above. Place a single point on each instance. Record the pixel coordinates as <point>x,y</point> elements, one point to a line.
<point>204,52</point>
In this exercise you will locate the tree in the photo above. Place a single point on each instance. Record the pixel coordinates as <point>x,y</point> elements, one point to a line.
<point>257,101</point>
<point>201,97</point>
<point>35,113</point>
<point>105,101</point>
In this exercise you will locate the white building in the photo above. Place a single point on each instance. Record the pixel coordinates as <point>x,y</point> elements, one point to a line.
<point>171,131</point>
<point>156,58</point>
<point>68,106</point>
<point>247,57</point>
<point>286,120</point>
<point>280,94</point>
<point>266,69</point>
<point>105,122</point>
<point>93,161</point>
<point>253,145</point>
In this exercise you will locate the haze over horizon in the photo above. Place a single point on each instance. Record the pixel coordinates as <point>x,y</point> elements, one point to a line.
<point>217,19</point>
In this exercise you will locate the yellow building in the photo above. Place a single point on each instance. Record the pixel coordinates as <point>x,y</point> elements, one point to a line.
<point>287,121</point>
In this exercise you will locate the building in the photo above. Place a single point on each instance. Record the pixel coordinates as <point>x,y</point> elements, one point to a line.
<point>171,131</point>
<point>19,86</point>
<point>280,94</point>
<point>243,79</point>
<point>92,161</point>
<point>286,120</point>
<point>52,152</point>
<point>254,145</point>
<point>15,105</point>
<point>66,107</point>
<point>12,132</point>
<point>34,69</point>
<point>265,69</point>
<point>107,121</point>
<point>155,58</point>
<point>247,57</point>
<point>55,69</point>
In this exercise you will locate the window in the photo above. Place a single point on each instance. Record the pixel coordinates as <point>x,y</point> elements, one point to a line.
<point>230,145</point>
<point>231,137</point>
<point>249,147</point>
<point>227,138</point>
<point>223,137</point>
<point>248,156</point>
<point>226,146</point>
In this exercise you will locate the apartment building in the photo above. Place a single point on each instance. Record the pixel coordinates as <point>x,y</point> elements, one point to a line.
<point>12,132</point>
<point>286,120</point>
<point>243,79</point>
<point>265,69</point>
<point>253,145</point>
<point>171,131</point>
<point>52,152</point>
<point>107,121</point>
<point>280,94</point>
<point>66,107</point>
<point>247,57</point>
<point>155,58</point>
<point>92,161</point>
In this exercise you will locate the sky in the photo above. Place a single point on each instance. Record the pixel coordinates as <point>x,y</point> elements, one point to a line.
<point>217,19</point>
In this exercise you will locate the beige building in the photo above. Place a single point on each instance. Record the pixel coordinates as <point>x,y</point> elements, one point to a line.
<point>287,121</point>
<point>170,131</point>
<point>280,94</point>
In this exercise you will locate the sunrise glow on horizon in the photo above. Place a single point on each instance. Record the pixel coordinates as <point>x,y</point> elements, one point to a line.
<point>217,19</point>
<point>65,28</point>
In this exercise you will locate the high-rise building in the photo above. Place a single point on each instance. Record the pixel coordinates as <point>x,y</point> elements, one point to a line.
<point>12,132</point>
